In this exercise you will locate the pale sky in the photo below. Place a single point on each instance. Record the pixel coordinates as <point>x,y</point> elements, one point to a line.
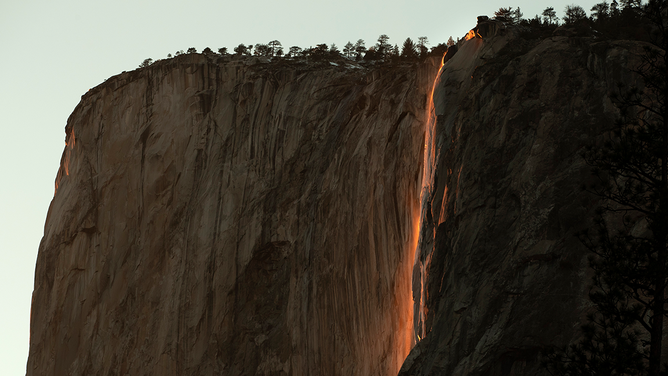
<point>54,51</point>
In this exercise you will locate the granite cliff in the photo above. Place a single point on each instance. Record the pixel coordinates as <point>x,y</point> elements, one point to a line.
<point>234,217</point>
<point>253,218</point>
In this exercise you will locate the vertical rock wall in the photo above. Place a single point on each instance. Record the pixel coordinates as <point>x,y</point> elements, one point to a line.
<point>227,218</point>
<point>500,274</point>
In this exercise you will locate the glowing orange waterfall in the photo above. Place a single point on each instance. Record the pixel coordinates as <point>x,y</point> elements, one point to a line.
<point>457,70</point>
<point>427,178</point>
<point>404,285</point>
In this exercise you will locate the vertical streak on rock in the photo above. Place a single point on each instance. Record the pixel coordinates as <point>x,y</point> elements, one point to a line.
<point>422,234</point>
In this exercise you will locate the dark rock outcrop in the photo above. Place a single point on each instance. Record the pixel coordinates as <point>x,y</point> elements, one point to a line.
<point>500,273</point>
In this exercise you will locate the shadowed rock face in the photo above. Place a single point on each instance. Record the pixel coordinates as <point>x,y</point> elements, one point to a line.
<point>234,219</point>
<point>500,274</point>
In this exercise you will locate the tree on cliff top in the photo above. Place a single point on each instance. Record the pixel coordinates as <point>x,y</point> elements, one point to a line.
<point>383,47</point>
<point>241,49</point>
<point>262,50</point>
<point>359,49</point>
<point>573,14</point>
<point>550,16</point>
<point>600,12</point>
<point>294,51</point>
<point>422,46</point>
<point>348,50</point>
<point>317,53</point>
<point>408,49</point>
<point>274,45</point>
<point>629,241</point>
<point>146,63</point>
<point>334,50</point>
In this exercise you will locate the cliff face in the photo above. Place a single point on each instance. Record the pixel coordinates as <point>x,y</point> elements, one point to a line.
<point>234,218</point>
<point>247,218</point>
<point>500,273</point>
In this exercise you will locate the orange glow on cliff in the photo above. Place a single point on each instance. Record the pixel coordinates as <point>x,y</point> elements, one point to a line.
<point>429,155</point>
<point>429,162</point>
<point>405,292</point>
<point>70,141</point>
<point>472,34</point>
<point>404,286</point>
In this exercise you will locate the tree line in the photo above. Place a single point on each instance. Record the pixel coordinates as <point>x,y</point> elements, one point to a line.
<point>614,19</point>
<point>572,13</point>
<point>382,50</point>
<point>611,18</point>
